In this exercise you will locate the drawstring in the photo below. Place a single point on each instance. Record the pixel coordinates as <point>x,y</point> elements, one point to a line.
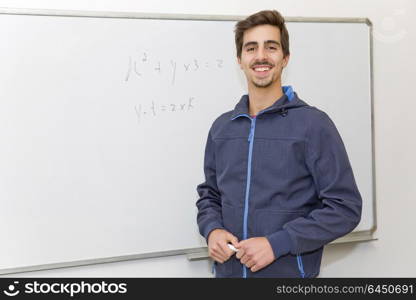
<point>300,266</point>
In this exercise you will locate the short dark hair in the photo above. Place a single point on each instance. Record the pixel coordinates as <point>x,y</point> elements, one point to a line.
<point>270,17</point>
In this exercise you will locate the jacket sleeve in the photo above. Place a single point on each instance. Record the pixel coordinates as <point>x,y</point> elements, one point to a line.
<point>341,203</point>
<point>209,215</point>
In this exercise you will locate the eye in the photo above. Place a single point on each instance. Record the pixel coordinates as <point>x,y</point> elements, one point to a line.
<point>250,49</point>
<point>272,48</point>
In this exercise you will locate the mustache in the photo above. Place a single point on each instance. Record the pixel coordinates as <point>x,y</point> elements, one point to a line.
<point>264,63</point>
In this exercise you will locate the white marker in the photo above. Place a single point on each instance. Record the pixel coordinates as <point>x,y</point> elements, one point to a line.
<point>232,247</point>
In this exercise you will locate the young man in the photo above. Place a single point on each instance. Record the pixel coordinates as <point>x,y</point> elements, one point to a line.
<point>279,185</point>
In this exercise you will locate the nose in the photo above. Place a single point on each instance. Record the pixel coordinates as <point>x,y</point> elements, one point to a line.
<point>261,54</point>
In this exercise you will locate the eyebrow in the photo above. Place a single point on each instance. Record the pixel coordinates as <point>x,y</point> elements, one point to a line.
<point>252,43</point>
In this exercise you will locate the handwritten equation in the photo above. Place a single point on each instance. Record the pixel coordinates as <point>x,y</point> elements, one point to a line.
<point>155,109</point>
<point>142,66</point>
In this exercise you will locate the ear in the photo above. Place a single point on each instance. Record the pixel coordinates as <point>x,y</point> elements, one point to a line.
<point>286,60</point>
<point>239,62</point>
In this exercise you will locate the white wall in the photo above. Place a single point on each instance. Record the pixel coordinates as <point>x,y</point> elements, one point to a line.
<point>394,72</point>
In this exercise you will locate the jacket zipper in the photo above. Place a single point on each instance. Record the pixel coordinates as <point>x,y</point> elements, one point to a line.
<point>250,156</point>
<point>300,265</point>
<point>289,93</point>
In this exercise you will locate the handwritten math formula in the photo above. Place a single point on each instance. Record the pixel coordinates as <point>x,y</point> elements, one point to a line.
<point>142,66</point>
<point>147,69</point>
<point>154,109</point>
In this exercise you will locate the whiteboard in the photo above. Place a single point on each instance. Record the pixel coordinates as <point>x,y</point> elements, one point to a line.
<point>104,119</point>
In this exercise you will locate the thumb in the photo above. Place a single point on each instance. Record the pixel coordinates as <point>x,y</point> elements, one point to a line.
<point>239,244</point>
<point>233,240</point>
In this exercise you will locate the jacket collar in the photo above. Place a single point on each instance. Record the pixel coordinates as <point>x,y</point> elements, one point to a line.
<point>288,100</point>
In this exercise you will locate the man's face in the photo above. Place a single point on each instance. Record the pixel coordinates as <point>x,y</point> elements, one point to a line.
<point>262,56</point>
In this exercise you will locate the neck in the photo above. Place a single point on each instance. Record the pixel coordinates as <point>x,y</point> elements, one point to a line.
<point>261,98</point>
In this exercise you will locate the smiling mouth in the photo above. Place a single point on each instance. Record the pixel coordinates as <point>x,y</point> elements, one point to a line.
<point>262,71</point>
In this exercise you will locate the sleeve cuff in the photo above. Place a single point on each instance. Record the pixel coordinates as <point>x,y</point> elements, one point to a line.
<point>280,242</point>
<point>210,227</point>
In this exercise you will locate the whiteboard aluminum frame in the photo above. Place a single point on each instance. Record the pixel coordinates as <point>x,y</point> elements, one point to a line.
<point>201,252</point>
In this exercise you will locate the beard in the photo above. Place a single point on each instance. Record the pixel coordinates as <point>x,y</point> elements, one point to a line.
<point>263,83</point>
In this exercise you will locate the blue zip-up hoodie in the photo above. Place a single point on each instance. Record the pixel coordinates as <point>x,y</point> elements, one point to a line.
<point>283,175</point>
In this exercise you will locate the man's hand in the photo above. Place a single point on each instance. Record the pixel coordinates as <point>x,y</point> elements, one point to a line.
<point>217,245</point>
<point>255,253</point>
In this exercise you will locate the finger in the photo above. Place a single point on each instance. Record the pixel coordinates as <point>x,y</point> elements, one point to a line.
<point>222,246</point>
<point>233,240</point>
<point>219,250</point>
<point>240,244</point>
<point>217,253</point>
<point>221,258</point>
<point>250,263</point>
<point>227,250</point>
<point>255,268</point>
<point>244,259</point>
<point>217,258</point>
<point>240,253</point>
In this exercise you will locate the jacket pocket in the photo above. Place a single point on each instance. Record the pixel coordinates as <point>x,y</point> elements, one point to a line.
<point>223,270</point>
<point>267,222</point>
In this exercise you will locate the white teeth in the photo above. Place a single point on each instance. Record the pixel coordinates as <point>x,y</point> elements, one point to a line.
<point>261,69</point>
